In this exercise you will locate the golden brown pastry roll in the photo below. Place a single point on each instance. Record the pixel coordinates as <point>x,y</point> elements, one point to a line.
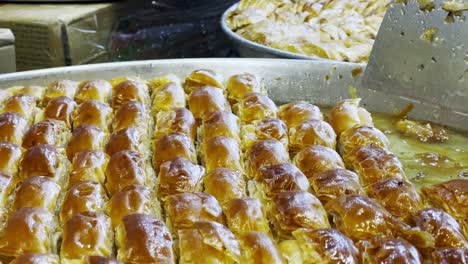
<point>267,128</point>
<point>224,184</point>
<point>389,250</point>
<point>450,196</point>
<point>129,138</point>
<point>168,96</point>
<point>326,245</point>
<point>129,200</point>
<point>93,112</point>
<point>93,90</point>
<point>132,114</point>
<point>398,196</point>
<point>178,176</point>
<point>43,160</point>
<point>33,225</point>
<point>255,106</point>
<point>258,248</point>
<point>177,120</point>
<point>125,168</point>
<point>334,183</point>
<point>295,209</point>
<point>127,91</point>
<point>220,123</point>
<point>88,165</point>
<point>10,155</point>
<point>290,251</point>
<point>295,113</point>
<point>159,82</point>
<point>6,186</point>
<point>86,137</point>
<point>263,154</point>
<point>85,196</point>
<point>144,239</point>
<point>86,233</point>
<point>60,108</point>
<point>206,100</point>
<point>36,259</point>
<point>208,243</point>
<point>240,84</point>
<point>202,77</point>
<point>171,146</point>
<point>22,104</point>
<point>13,127</point>
<point>374,163</point>
<point>221,152</point>
<point>5,94</point>
<point>60,88</point>
<point>443,228</point>
<point>452,255</point>
<point>51,132</point>
<point>185,209</point>
<point>309,133</point>
<point>32,90</point>
<point>316,159</point>
<point>37,191</point>
<point>361,136</point>
<point>244,215</point>
<point>101,260</point>
<point>347,114</point>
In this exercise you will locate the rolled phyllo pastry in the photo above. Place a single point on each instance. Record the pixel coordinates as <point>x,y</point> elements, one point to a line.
<point>224,184</point>
<point>129,90</point>
<point>60,108</point>
<point>86,137</point>
<point>317,159</point>
<point>168,96</point>
<point>450,196</point>
<point>6,187</point>
<point>240,84</point>
<point>310,133</point>
<point>258,248</point>
<point>51,132</point>
<point>93,112</point>
<point>220,123</point>
<point>130,138</point>
<point>263,154</point>
<point>38,191</point>
<point>296,113</point>
<point>206,100</point>
<point>177,120</point>
<point>133,114</point>
<point>93,90</point>
<point>347,114</point>
<point>267,128</point>
<point>245,215</point>
<point>13,127</point>
<point>255,106</point>
<point>203,77</point>
<point>60,88</point>
<point>44,160</point>
<point>171,146</point>
<point>33,258</point>
<point>221,152</point>
<point>360,136</point>
<point>10,155</point>
<point>23,104</point>
<point>88,165</point>
<point>386,249</point>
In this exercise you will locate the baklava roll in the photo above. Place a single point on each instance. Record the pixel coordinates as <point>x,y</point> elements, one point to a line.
<point>44,160</point>
<point>101,260</point>
<point>13,127</point>
<point>129,90</point>
<point>86,137</point>
<point>206,100</point>
<point>144,239</point>
<point>373,164</point>
<point>5,94</point>
<point>295,209</point>
<point>32,90</point>
<point>60,108</point>
<point>178,176</point>
<point>23,104</point>
<point>258,248</point>
<point>94,113</point>
<point>133,114</point>
<point>28,230</point>
<point>10,155</point>
<point>310,133</point>
<point>224,184</point>
<point>86,233</point>
<point>86,196</point>
<point>263,154</point>
<point>185,209</point>
<point>36,259</point>
<point>202,77</point>
<point>159,82</point>
<point>168,96</point>
<point>255,106</point>
<point>450,196</point>
<point>220,123</point>
<point>452,255</point>
<point>130,138</point>
<point>296,113</point>
<point>6,186</point>
<point>221,152</point>
<point>88,165</point>
<point>290,252</point>
<point>51,132</point>
<point>442,227</point>
<point>36,191</point>
<point>316,246</point>
<point>127,168</point>
<point>361,136</point>
<point>267,128</point>
<point>131,199</point>
<point>317,159</point>
<point>93,90</point>
<point>347,114</point>
<point>208,243</point>
<point>171,146</point>
<point>60,88</point>
<point>240,84</point>
<point>398,196</point>
<point>331,184</point>
<point>389,250</point>
<point>177,120</point>
<point>245,215</point>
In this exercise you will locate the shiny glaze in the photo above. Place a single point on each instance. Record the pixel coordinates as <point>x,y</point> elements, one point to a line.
<point>221,152</point>
<point>264,153</point>
<point>240,84</point>
<point>451,196</point>
<point>22,104</point>
<point>60,88</point>
<point>51,132</point>
<point>245,215</point>
<point>281,177</point>
<point>60,108</point>
<point>10,155</point>
<point>129,200</point>
<point>177,120</point>
<point>125,168</point>
<point>295,113</point>
<point>130,114</point>
<point>93,90</point>
<point>170,146</point>
<point>334,183</point>
<point>37,191</point>
<point>125,139</point>
<point>93,112</point>
<point>88,165</point>
<point>127,91</point>
<point>259,248</point>
<point>255,106</point>
<point>13,127</point>
<point>316,159</point>
<point>309,133</point>
<point>85,137</point>
<point>206,100</point>
<point>266,128</point>
<point>40,160</point>
<point>203,77</point>
<point>361,136</point>
<point>224,184</point>
<point>169,96</point>
<point>347,114</point>
<point>220,123</point>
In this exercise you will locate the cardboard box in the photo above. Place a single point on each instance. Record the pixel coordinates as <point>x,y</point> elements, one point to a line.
<point>50,35</point>
<point>7,51</point>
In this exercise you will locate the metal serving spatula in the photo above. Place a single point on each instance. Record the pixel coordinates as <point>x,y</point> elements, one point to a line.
<point>421,53</point>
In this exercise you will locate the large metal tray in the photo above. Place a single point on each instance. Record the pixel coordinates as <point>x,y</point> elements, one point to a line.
<point>321,82</point>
